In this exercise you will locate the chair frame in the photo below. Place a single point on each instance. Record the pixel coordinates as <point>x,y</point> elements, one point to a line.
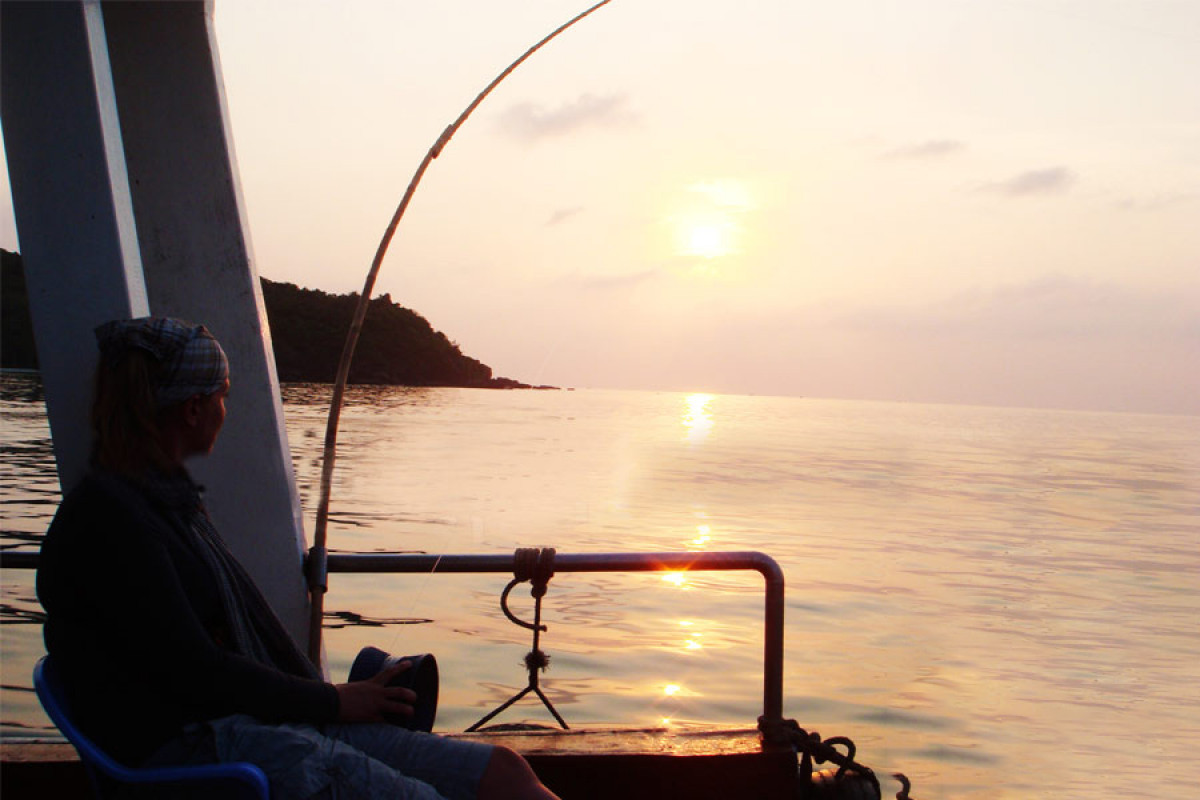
<point>237,778</point>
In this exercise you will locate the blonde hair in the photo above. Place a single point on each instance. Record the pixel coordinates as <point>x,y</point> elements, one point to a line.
<point>126,425</point>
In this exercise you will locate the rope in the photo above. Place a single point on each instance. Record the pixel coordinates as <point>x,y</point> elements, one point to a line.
<point>813,748</point>
<point>543,571</point>
<point>525,560</point>
<point>535,565</point>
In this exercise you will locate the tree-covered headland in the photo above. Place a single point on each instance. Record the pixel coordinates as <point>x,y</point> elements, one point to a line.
<point>308,328</point>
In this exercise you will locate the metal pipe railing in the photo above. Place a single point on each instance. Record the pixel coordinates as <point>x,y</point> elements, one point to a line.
<point>19,559</point>
<point>772,719</point>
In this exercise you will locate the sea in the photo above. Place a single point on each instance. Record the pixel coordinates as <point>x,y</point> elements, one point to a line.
<point>997,602</point>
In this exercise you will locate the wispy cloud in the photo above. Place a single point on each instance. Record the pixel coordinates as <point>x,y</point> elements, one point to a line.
<point>613,282</point>
<point>1158,202</point>
<point>531,122</point>
<point>1059,342</point>
<point>1034,182</point>
<point>562,214</point>
<point>931,149</point>
<point>1054,307</point>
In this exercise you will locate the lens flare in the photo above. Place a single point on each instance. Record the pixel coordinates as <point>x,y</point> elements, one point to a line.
<point>677,578</point>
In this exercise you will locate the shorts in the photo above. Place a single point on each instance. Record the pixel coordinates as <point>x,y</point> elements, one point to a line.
<point>359,761</point>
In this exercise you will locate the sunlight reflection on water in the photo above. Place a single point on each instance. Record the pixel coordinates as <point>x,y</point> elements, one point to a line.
<point>979,597</point>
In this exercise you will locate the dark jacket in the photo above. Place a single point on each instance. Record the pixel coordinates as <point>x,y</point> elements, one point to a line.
<point>135,620</point>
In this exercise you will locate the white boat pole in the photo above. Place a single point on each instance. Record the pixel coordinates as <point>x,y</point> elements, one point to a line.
<point>71,202</point>
<point>128,202</point>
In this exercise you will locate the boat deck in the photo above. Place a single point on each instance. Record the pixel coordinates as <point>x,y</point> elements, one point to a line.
<point>590,764</point>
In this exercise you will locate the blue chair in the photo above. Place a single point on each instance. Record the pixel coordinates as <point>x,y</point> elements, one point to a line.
<point>227,781</point>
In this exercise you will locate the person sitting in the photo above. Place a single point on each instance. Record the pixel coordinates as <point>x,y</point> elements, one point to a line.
<point>169,653</point>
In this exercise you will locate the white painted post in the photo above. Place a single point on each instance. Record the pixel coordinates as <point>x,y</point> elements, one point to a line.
<point>195,255</point>
<point>71,202</point>
<point>198,263</point>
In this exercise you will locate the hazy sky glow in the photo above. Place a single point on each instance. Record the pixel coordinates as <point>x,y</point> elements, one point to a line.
<point>991,202</point>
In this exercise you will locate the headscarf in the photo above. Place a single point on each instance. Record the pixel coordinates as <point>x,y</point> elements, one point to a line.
<point>190,360</point>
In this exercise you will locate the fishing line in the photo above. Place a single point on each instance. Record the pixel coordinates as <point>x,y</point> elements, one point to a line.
<point>318,555</point>
<point>416,600</point>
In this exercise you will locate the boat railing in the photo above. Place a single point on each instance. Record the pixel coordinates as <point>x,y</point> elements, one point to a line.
<point>771,723</point>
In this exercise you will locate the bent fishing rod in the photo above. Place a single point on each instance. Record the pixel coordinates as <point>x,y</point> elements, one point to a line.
<point>317,565</point>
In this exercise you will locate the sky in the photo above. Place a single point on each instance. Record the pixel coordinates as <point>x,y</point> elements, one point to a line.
<point>990,202</point>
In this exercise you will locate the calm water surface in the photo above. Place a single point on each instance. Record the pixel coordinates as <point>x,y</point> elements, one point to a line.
<point>1001,603</point>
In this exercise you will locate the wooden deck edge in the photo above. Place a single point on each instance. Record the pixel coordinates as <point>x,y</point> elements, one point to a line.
<point>588,765</point>
<point>33,770</point>
<point>651,764</point>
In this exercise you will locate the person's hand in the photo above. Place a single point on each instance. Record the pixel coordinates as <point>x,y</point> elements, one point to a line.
<point>369,700</point>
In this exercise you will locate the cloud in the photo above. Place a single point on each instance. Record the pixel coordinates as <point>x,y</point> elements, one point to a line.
<point>1039,181</point>
<point>726,194</point>
<point>613,282</point>
<point>1051,308</point>
<point>562,214</point>
<point>1058,342</point>
<point>1158,202</point>
<point>933,148</point>
<point>531,122</point>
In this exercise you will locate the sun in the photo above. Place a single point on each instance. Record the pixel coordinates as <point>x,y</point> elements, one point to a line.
<point>708,218</point>
<point>706,239</point>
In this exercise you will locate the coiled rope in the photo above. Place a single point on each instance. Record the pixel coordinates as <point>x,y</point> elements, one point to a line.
<point>813,749</point>
<point>535,565</point>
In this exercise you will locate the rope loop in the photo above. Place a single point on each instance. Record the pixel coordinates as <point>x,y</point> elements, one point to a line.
<point>536,565</point>
<point>834,741</point>
<point>812,748</point>
<point>533,626</point>
<point>543,571</point>
<point>525,561</point>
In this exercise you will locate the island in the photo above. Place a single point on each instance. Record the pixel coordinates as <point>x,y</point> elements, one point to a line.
<point>397,347</point>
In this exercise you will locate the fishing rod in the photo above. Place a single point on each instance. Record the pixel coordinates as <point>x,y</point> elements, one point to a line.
<point>318,556</point>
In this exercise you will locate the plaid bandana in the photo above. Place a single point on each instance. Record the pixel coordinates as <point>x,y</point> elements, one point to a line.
<point>191,362</point>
